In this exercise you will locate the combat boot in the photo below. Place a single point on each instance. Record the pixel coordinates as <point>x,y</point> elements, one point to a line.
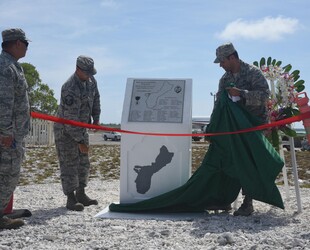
<point>73,204</point>
<point>246,208</point>
<point>8,223</point>
<point>83,198</point>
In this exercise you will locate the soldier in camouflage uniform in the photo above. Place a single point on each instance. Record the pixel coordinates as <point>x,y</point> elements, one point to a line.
<point>246,84</point>
<point>80,101</point>
<point>14,118</point>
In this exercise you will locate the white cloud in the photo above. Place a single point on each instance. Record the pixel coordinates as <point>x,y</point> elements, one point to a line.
<point>268,28</point>
<point>110,4</point>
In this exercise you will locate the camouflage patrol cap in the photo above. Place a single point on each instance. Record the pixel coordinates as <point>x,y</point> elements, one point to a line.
<point>224,51</point>
<point>14,34</point>
<point>86,64</point>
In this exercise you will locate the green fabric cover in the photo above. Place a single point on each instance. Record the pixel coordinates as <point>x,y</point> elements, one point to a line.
<point>244,160</point>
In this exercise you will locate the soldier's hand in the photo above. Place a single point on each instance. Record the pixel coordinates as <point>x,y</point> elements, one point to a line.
<point>6,141</point>
<point>95,123</point>
<point>233,91</point>
<point>83,148</point>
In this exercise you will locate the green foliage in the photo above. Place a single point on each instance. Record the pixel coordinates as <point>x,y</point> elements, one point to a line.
<point>269,60</point>
<point>287,68</point>
<point>288,131</point>
<point>299,86</point>
<point>262,62</point>
<point>295,74</point>
<point>278,63</point>
<point>41,97</point>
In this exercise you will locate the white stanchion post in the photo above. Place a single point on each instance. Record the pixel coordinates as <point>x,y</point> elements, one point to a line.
<point>295,173</point>
<point>284,172</point>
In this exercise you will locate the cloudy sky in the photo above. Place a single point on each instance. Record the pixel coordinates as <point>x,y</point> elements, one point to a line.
<point>157,39</point>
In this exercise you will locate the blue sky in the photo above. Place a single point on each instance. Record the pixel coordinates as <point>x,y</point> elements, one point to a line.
<point>157,39</point>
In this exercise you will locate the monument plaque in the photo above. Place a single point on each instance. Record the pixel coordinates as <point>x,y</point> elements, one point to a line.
<point>157,101</point>
<point>152,165</point>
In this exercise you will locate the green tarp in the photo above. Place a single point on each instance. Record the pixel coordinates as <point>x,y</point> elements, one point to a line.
<point>244,160</point>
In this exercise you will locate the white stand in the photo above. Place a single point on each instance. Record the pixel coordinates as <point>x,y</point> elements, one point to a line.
<point>295,173</point>
<point>286,187</point>
<point>294,164</point>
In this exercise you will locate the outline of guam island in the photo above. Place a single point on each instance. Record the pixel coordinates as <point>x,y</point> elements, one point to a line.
<point>145,173</point>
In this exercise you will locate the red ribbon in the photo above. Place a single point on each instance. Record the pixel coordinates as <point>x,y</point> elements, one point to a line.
<point>289,120</point>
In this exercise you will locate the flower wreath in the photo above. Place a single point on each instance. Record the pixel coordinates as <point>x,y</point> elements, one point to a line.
<point>284,88</point>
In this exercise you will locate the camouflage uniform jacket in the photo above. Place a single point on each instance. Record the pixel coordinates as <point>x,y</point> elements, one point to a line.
<point>257,91</point>
<point>79,102</point>
<point>14,102</point>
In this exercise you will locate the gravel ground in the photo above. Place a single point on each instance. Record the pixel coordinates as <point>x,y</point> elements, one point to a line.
<point>52,226</point>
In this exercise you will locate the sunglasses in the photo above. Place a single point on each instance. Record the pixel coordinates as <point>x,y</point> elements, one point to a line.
<point>25,42</point>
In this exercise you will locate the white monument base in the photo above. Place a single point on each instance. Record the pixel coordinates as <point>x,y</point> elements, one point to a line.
<point>107,214</point>
<point>152,165</point>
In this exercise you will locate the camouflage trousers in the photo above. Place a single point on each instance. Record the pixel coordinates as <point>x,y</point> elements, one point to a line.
<point>10,163</point>
<point>74,166</point>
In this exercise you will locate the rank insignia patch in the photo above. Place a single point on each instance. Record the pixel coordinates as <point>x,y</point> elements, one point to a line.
<point>69,100</point>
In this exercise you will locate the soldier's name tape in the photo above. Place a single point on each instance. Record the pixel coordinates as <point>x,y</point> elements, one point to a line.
<point>289,120</point>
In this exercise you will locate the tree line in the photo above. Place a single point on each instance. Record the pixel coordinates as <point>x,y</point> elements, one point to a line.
<point>41,97</point>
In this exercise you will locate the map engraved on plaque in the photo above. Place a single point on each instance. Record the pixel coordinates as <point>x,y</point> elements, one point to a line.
<point>157,101</point>
<point>145,173</point>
